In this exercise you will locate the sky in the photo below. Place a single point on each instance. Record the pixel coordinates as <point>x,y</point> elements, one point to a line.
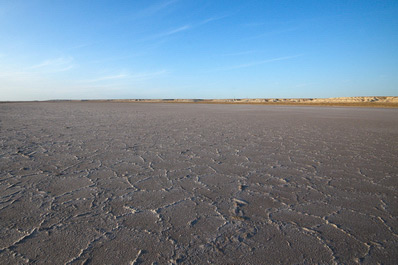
<point>76,49</point>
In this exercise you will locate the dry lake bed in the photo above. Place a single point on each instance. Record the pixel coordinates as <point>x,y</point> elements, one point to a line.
<point>155,183</point>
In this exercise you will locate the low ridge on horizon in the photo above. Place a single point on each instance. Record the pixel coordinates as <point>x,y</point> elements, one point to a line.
<point>366,101</point>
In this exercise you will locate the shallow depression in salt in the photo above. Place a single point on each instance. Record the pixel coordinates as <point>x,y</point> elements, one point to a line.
<point>138,183</point>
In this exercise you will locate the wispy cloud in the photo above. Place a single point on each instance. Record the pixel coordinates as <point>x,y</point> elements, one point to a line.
<point>158,7</point>
<point>80,46</point>
<point>38,71</point>
<point>274,32</point>
<point>107,77</point>
<point>250,64</point>
<point>53,62</point>
<point>253,24</point>
<point>148,75</point>
<point>184,28</point>
<point>167,33</point>
<point>18,75</point>
<point>239,53</point>
<point>153,9</point>
<point>125,56</point>
<point>211,19</point>
<point>60,64</point>
<point>173,31</point>
<point>127,77</point>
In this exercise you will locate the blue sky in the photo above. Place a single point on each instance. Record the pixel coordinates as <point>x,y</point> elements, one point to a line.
<point>197,49</point>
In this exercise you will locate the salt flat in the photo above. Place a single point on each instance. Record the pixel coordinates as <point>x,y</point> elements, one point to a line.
<point>142,183</point>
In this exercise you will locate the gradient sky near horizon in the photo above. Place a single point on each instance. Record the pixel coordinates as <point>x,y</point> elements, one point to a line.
<point>197,49</point>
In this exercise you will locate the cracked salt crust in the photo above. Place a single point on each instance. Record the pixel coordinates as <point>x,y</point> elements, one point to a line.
<point>120,183</point>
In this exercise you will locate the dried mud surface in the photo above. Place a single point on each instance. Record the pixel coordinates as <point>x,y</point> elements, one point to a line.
<point>137,183</point>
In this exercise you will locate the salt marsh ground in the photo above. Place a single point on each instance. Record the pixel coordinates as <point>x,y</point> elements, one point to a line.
<point>141,183</point>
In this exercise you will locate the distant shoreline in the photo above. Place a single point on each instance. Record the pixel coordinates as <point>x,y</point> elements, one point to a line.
<point>381,102</point>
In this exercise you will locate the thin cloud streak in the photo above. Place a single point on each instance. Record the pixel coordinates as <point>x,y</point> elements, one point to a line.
<point>275,32</point>
<point>146,76</point>
<point>174,31</point>
<point>80,46</point>
<point>117,58</point>
<point>64,69</point>
<point>184,28</point>
<point>18,75</point>
<point>127,77</point>
<point>157,7</point>
<point>37,72</point>
<point>259,63</point>
<point>162,5</point>
<point>61,61</point>
<point>213,19</point>
<point>56,65</point>
<point>253,24</point>
<point>239,53</point>
<point>167,33</point>
<point>151,10</point>
<point>104,78</point>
